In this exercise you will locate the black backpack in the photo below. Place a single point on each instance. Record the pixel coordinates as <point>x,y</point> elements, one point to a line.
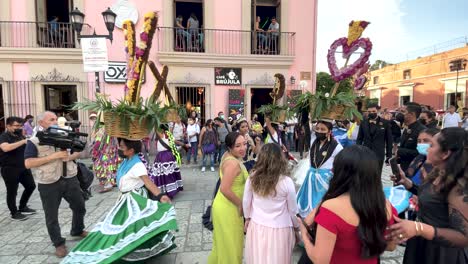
<point>86,177</point>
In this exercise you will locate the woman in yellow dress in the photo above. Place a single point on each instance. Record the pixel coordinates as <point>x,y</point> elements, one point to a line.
<point>228,221</point>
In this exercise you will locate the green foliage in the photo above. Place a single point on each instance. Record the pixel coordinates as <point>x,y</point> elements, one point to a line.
<point>325,83</point>
<point>139,111</point>
<point>321,102</point>
<point>273,111</point>
<point>378,64</point>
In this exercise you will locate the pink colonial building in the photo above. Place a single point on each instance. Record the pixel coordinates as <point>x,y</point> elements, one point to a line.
<point>220,63</point>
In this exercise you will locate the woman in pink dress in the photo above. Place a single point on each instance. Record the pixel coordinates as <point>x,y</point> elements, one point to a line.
<point>270,209</point>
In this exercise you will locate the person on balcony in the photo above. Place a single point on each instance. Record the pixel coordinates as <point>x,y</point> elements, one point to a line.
<point>54,33</point>
<point>272,34</point>
<point>260,35</point>
<point>182,36</point>
<point>195,35</point>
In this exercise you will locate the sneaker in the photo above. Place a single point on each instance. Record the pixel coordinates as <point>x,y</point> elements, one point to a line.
<point>61,251</point>
<point>27,211</point>
<point>203,169</point>
<point>19,216</point>
<point>212,169</point>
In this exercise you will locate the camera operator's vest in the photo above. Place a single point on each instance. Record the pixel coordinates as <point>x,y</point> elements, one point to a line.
<point>52,171</point>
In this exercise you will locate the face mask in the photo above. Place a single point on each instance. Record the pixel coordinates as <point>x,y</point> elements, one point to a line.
<point>30,121</point>
<point>121,154</point>
<point>320,136</point>
<point>422,148</point>
<point>372,115</point>
<point>18,131</point>
<point>53,129</point>
<point>221,116</point>
<point>423,121</point>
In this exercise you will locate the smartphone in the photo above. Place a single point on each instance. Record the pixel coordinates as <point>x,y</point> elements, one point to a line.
<point>309,230</point>
<point>395,169</point>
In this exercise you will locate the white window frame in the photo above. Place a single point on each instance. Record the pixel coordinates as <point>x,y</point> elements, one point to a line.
<point>406,90</point>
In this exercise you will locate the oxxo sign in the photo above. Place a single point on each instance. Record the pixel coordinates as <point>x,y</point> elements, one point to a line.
<point>116,72</point>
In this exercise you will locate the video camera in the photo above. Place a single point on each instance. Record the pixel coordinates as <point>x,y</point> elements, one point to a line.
<point>63,138</point>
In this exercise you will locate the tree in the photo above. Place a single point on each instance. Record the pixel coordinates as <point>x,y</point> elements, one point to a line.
<point>379,64</point>
<point>325,83</point>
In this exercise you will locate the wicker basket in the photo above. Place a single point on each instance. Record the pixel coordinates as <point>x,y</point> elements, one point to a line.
<point>334,113</point>
<point>281,116</point>
<point>171,116</point>
<point>134,130</point>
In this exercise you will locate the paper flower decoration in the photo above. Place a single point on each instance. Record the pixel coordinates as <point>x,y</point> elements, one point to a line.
<point>355,30</point>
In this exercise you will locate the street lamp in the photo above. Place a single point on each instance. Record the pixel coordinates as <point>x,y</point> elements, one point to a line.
<point>77,19</point>
<point>457,65</point>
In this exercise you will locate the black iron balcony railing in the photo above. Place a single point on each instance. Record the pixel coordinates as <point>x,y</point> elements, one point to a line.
<point>225,42</point>
<point>19,34</point>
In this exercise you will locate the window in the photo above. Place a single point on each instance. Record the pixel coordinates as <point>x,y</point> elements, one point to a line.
<point>405,99</point>
<point>407,74</point>
<point>60,99</point>
<point>376,80</point>
<point>375,94</point>
<point>405,94</point>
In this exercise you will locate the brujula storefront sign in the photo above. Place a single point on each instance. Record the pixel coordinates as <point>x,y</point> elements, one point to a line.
<point>228,76</point>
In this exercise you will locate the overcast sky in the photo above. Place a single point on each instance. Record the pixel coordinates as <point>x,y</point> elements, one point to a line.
<point>397,27</point>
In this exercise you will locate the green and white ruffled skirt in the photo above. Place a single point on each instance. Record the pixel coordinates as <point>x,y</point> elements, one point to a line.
<point>135,229</point>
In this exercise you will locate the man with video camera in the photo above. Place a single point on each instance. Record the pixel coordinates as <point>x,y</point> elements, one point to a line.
<point>47,164</point>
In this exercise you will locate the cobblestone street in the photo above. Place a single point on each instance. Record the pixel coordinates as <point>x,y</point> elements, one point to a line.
<point>28,242</point>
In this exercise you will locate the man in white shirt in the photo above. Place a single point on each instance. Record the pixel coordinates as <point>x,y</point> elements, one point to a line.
<point>452,119</point>
<point>193,130</point>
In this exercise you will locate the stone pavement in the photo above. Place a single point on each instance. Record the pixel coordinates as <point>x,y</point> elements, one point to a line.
<point>28,242</point>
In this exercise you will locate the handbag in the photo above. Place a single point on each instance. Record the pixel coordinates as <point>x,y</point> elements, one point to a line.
<point>86,177</point>
<point>209,148</point>
<point>206,217</point>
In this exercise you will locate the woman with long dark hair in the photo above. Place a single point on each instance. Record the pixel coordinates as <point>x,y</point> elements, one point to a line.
<point>207,144</point>
<point>253,145</point>
<point>439,235</point>
<point>322,153</point>
<point>227,212</point>
<point>349,224</point>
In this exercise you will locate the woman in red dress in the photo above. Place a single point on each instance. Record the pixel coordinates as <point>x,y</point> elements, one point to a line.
<point>349,224</point>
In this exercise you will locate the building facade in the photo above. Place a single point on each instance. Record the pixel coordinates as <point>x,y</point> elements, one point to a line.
<point>41,65</point>
<point>439,80</point>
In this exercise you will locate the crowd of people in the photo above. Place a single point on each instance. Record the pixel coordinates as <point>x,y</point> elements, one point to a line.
<point>339,212</point>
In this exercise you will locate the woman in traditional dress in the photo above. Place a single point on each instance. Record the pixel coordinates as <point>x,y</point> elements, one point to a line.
<point>322,153</point>
<point>136,228</point>
<point>165,172</point>
<point>227,212</point>
<point>105,159</point>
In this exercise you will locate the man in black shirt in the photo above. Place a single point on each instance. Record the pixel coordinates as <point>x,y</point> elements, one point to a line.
<point>376,134</point>
<point>409,139</point>
<point>12,146</point>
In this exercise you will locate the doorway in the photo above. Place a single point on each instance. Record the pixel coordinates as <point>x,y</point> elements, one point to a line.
<point>265,42</point>
<point>60,99</point>
<point>259,97</point>
<point>194,98</point>
<point>189,39</point>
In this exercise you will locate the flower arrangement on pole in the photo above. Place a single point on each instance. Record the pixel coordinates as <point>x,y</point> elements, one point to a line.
<point>134,117</point>
<point>338,106</point>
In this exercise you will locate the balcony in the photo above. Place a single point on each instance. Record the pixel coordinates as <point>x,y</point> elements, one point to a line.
<point>218,47</point>
<point>19,34</point>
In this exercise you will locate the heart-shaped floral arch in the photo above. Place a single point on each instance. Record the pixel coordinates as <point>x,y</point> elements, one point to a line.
<point>348,70</point>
